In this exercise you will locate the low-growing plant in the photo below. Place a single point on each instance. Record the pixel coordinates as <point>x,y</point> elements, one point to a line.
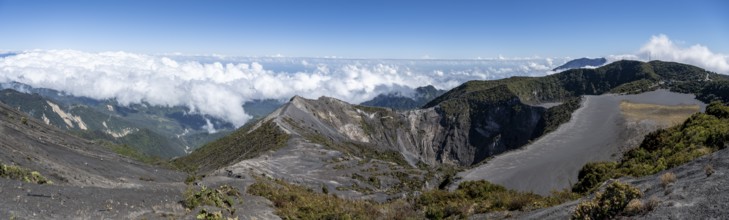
<point>298,202</point>
<point>609,203</point>
<point>224,197</point>
<point>23,174</point>
<point>634,207</point>
<point>652,204</point>
<point>472,197</point>
<point>206,215</point>
<point>481,196</point>
<point>709,170</point>
<point>667,179</point>
<point>593,174</point>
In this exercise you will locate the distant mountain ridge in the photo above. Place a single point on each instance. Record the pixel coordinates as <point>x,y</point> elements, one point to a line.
<point>153,130</point>
<point>581,63</point>
<point>399,101</point>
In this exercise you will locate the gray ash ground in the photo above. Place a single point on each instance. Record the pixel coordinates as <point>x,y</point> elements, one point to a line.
<point>596,132</point>
<point>91,182</point>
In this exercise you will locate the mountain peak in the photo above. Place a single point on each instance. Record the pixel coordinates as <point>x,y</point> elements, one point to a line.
<point>582,63</point>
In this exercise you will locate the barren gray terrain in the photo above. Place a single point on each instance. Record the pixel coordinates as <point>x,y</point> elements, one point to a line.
<point>313,165</point>
<point>694,195</point>
<point>596,132</point>
<point>89,181</point>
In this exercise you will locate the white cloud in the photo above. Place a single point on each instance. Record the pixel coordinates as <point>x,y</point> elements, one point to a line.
<point>613,58</point>
<point>208,86</point>
<point>662,48</point>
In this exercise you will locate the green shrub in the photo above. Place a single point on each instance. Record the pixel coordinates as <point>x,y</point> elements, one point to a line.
<point>20,173</point>
<point>592,175</point>
<point>223,197</point>
<point>717,109</point>
<point>482,196</point>
<point>207,215</point>
<point>298,202</point>
<point>609,203</point>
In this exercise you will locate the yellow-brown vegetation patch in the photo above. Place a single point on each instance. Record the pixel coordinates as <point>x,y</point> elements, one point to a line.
<point>663,114</point>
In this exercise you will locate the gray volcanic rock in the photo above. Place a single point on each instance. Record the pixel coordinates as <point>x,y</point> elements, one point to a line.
<point>90,181</point>
<point>423,135</point>
<point>377,153</point>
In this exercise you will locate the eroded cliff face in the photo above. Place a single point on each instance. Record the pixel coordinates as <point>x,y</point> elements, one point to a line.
<point>429,136</point>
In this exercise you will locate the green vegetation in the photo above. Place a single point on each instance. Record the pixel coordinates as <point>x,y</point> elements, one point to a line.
<point>610,203</point>
<point>144,141</point>
<point>23,174</point>
<point>224,197</point>
<point>593,174</point>
<point>714,91</point>
<point>700,134</point>
<point>241,144</point>
<point>557,115</point>
<point>298,202</point>
<point>208,215</point>
<point>133,153</point>
<point>472,197</point>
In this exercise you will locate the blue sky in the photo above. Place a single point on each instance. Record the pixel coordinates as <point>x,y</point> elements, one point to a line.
<point>363,29</point>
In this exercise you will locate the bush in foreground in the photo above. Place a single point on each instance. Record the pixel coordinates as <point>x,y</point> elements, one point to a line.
<point>223,197</point>
<point>471,197</point>
<point>23,174</point>
<point>610,203</point>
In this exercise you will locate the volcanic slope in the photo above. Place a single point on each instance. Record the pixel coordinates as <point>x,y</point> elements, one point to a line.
<point>87,179</point>
<point>370,152</point>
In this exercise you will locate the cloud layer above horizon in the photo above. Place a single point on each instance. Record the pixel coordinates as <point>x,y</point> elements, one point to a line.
<point>219,86</point>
